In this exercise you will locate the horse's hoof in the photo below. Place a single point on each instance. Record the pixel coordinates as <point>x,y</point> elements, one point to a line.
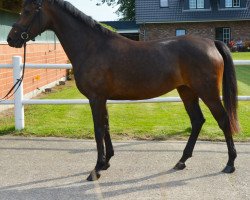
<point>180,166</point>
<point>106,166</point>
<point>94,176</point>
<point>228,169</point>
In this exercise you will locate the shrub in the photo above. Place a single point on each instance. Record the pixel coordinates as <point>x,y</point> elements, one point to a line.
<point>247,45</point>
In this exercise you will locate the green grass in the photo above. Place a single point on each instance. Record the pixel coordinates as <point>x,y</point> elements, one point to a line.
<point>241,55</point>
<point>243,73</point>
<point>142,121</point>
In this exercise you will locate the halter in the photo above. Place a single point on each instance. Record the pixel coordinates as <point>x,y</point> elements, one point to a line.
<point>25,37</point>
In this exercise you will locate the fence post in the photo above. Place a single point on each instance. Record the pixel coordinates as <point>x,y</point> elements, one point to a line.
<point>18,96</point>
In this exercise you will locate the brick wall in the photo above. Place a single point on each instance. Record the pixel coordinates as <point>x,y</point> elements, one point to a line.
<point>240,29</point>
<point>34,78</point>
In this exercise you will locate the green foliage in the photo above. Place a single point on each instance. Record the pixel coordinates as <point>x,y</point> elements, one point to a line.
<point>108,27</point>
<point>13,5</point>
<point>126,8</point>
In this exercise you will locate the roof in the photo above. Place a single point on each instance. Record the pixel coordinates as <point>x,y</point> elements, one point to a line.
<point>123,26</point>
<point>149,11</point>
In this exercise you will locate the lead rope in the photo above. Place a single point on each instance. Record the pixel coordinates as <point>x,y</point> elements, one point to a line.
<point>18,81</point>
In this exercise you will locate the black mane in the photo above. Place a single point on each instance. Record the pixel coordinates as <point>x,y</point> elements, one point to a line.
<point>69,8</point>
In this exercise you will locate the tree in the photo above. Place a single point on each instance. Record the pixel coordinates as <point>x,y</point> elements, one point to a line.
<point>108,27</point>
<point>13,5</point>
<point>126,8</point>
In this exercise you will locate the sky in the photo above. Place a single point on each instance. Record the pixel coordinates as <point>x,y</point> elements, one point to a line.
<point>99,13</point>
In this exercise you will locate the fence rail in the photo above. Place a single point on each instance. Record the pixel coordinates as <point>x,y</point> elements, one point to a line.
<point>19,101</point>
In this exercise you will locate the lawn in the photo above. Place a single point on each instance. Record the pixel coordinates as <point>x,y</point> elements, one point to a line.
<point>241,55</point>
<point>141,121</point>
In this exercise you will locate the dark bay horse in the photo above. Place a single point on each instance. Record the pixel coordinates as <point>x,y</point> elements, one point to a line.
<point>109,66</point>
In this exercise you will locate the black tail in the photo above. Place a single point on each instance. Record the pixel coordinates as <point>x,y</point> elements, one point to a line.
<point>230,91</point>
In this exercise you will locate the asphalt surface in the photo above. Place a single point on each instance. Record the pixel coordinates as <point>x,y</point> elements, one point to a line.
<point>56,169</point>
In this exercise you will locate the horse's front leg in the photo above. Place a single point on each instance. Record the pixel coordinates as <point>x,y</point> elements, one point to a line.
<point>99,110</point>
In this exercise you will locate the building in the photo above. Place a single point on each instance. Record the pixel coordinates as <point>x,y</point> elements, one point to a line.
<point>46,49</point>
<point>127,29</point>
<point>224,20</point>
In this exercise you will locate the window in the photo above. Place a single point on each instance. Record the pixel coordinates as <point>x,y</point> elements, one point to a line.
<point>223,34</point>
<point>236,3</point>
<point>232,3</point>
<point>200,3</point>
<point>196,4</point>
<point>164,3</point>
<point>180,32</point>
<point>192,4</point>
<point>228,3</point>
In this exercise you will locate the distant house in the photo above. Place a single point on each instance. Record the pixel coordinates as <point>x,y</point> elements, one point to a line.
<point>128,29</point>
<point>223,20</point>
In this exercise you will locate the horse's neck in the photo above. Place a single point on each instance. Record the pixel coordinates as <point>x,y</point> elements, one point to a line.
<point>76,37</point>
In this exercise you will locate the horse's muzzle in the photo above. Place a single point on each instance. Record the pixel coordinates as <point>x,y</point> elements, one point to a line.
<point>17,43</point>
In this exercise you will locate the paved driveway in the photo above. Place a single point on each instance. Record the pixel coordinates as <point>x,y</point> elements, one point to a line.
<point>54,168</point>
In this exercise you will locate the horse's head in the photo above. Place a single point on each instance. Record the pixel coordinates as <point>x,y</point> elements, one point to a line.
<point>31,23</point>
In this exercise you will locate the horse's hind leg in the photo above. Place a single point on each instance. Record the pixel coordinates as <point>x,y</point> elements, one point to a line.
<point>219,113</point>
<point>191,102</point>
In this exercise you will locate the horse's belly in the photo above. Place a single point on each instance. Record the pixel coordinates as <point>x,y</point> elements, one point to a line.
<point>139,91</point>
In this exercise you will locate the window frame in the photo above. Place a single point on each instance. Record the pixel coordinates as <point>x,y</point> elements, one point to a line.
<point>232,3</point>
<point>197,4</point>
<point>180,29</point>
<point>226,34</point>
<point>164,3</point>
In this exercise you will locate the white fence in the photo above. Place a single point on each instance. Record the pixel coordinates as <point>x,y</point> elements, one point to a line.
<point>19,100</point>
